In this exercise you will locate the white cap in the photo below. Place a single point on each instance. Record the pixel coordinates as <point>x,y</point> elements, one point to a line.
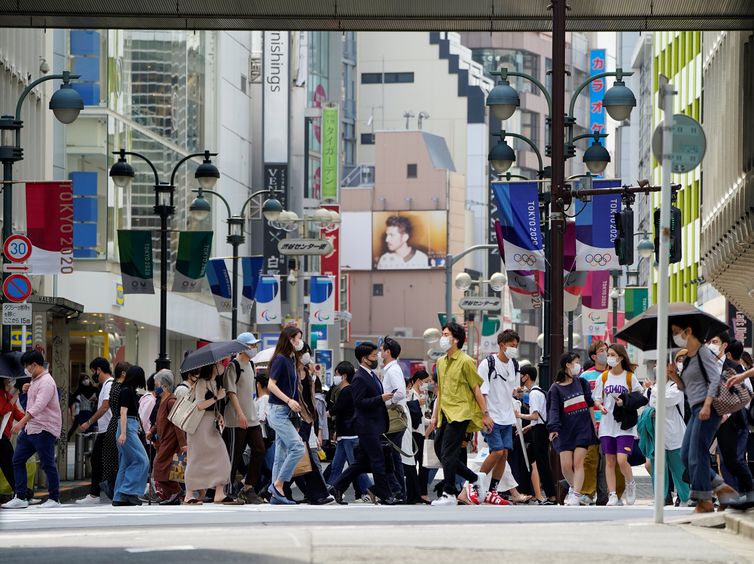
<point>247,339</point>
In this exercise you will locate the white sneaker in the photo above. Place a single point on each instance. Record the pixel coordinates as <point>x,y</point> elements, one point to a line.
<point>16,503</point>
<point>88,500</point>
<point>586,500</point>
<point>34,501</point>
<point>571,499</point>
<point>445,499</point>
<point>631,492</point>
<point>50,503</point>
<point>613,500</point>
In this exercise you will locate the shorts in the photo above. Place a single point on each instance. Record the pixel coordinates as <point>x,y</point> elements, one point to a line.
<point>500,438</point>
<point>617,445</point>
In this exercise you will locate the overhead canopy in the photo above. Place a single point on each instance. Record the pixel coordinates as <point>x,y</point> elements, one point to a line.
<point>379,15</point>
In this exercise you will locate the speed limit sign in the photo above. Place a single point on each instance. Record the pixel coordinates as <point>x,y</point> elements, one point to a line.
<point>17,248</point>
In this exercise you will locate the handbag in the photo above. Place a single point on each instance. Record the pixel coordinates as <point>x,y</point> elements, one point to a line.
<point>186,414</point>
<point>731,400</point>
<point>178,468</point>
<point>304,465</point>
<point>397,419</point>
<point>429,456</point>
<point>295,419</point>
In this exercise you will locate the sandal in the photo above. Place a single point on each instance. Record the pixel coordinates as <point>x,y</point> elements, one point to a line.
<point>194,501</point>
<point>522,499</point>
<point>227,500</point>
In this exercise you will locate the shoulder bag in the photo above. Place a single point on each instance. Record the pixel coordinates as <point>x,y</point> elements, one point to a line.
<point>186,414</point>
<point>728,400</point>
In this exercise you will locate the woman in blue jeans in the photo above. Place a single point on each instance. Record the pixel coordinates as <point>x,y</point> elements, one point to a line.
<point>700,381</point>
<point>133,464</point>
<point>284,396</point>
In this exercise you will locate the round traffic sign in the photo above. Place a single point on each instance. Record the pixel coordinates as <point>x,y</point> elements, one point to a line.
<point>17,248</point>
<point>689,143</point>
<point>17,288</point>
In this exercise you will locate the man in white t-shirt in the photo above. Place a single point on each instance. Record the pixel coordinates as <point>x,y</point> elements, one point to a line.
<point>103,377</point>
<point>538,437</point>
<point>500,380</point>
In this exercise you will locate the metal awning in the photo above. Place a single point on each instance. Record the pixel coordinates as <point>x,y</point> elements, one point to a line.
<point>382,15</point>
<point>61,307</point>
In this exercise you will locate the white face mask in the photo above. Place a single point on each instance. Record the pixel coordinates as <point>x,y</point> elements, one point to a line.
<point>85,382</point>
<point>575,370</point>
<point>425,387</point>
<point>28,373</point>
<point>715,348</point>
<point>306,358</point>
<point>680,341</point>
<point>298,345</point>
<point>444,343</point>
<point>602,358</point>
<point>679,367</point>
<point>337,380</point>
<point>511,352</point>
<point>613,361</point>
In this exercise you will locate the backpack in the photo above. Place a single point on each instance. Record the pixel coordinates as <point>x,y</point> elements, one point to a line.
<point>491,367</point>
<point>542,416</point>
<point>629,378</point>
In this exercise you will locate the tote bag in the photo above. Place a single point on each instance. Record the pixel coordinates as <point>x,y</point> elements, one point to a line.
<point>429,457</point>
<point>185,413</point>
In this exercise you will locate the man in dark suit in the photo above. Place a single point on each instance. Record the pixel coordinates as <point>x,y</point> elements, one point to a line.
<point>370,422</point>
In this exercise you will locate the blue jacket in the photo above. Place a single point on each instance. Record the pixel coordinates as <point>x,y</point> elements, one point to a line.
<point>370,413</point>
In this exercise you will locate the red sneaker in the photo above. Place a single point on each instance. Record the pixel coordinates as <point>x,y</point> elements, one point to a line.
<point>492,498</point>
<point>469,495</point>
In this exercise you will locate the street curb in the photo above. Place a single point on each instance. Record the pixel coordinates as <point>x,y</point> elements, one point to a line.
<point>740,523</point>
<point>708,520</point>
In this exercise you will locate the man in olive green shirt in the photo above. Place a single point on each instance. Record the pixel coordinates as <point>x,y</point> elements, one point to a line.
<point>460,408</point>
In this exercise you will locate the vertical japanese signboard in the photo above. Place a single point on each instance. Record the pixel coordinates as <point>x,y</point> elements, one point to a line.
<point>330,160</point>
<point>597,65</point>
<point>741,326</point>
<point>330,264</point>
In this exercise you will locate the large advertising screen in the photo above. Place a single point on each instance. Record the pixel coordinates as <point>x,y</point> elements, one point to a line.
<point>409,240</point>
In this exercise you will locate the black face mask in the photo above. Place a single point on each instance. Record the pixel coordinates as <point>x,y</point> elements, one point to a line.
<point>95,377</point>
<point>372,364</point>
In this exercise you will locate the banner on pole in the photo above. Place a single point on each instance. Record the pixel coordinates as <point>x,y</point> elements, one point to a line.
<point>596,230</point>
<point>573,280</point>
<point>252,267</point>
<point>522,284</point>
<point>330,153</point>
<point>135,250</point>
<point>194,248</point>
<point>219,284</point>
<point>49,226</point>
<point>268,300</point>
<point>518,209</point>
<point>595,300</point>
<point>636,301</point>
<point>490,329</point>
<point>322,300</point>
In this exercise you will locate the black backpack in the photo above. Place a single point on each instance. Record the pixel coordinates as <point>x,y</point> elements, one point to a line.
<point>223,403</point>
<point>492,371</point>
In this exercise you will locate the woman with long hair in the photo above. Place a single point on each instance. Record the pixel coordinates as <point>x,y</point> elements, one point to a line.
<point>617,443</point>
<point>109,445</point>
<point>208,464</point>
<point>571,423</point>
<point>133,464</point>
<point>284,409</point>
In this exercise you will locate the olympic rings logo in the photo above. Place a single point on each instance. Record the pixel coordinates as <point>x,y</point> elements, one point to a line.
<point>529,260</point>
<point>599,260</point>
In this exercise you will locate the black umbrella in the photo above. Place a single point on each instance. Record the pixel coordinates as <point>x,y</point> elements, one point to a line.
<point>210,354</point>
<point>641,331</point>
<point>10,365</point>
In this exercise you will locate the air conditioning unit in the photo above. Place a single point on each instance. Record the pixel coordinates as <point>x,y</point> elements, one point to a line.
<point>405,332</point>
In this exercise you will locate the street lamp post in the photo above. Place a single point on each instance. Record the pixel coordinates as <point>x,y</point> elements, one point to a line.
<point>450,260</point>
<point>200,209</point>
<point>66,104</point>
<point>122,174</point>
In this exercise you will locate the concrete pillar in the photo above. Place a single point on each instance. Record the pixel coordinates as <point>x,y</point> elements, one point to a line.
<point>60,362</point>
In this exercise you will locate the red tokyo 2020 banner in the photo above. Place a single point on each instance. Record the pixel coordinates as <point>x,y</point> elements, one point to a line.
<point>49,225</point>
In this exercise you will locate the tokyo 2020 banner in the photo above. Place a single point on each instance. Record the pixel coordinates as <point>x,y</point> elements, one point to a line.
<point>518,210</point>
<point>596,230</point>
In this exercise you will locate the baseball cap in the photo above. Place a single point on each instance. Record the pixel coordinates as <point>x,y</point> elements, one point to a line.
<point>247,339</point>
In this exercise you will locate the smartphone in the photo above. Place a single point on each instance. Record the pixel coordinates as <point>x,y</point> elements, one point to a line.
<point>395,390</point>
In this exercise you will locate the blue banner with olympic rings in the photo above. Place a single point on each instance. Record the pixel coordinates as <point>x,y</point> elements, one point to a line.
<point>518,210</point>
<point>596,230</point>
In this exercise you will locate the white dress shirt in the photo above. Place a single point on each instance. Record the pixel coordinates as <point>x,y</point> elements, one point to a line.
<point>393,379</point>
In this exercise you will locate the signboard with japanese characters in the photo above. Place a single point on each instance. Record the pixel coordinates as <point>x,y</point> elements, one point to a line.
<point>597,65</point>
<point>275,178</point>
<point>481,303</point>
<point>304,247</point>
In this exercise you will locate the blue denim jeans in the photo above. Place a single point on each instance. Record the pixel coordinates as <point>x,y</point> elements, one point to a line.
<point>44,445</point>
<point>289,448</point>
<point>133,464</point>
<point>344,452</point>
<point>695,454</point>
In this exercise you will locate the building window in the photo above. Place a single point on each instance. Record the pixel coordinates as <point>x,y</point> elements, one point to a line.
<point>530,128</point>
<point>371,78</point>
<point>377,290</point>
<point>243,84</point>
<point>367,138</point>
<point>516,60</point>
<point>398,77</point>
<point>411,171</point>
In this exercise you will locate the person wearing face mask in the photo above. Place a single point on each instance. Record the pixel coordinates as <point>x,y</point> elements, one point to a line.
<point>700,381</point>
<point>460,408</point>
<point>370,423</point>
<point>616,438</point>
<point>169,438</point>
<point>37,432</point>
<point>82,403</point>
<point>242,426</point>
<point>9,412</point>
<point>346,438</point>
<point>101,375</point>
<point>417,401</point>
<point>595,482</point>
<point>732,436</point>
<point>393,379</point>
<point>571,423</point>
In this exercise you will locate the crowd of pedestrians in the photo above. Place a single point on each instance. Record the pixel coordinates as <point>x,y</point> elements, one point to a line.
<point>230,433</point>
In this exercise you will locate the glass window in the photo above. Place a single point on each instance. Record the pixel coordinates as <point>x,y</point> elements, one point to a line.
<point>516,60</point>
<point>530,128</point>
<point>371,78</point>
<point>367,138</point>
<point>398,77</point>
<point>411,171</point>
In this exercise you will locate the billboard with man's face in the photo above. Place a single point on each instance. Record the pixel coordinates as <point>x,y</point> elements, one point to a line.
<point>409,240</point>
